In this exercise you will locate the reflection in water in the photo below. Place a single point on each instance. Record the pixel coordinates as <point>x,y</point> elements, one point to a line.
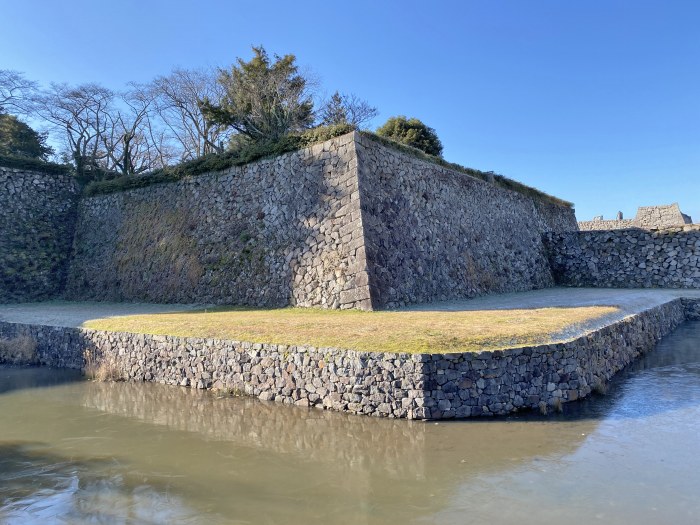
<point>140,453</point>
<point>37,487</point>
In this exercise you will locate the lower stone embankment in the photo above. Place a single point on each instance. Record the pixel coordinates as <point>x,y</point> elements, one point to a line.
<point>419,386</point>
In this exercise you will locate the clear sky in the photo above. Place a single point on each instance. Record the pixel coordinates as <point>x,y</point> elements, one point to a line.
<point>594,101</point>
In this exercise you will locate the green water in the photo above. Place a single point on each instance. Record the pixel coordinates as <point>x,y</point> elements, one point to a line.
<point>78,452</point>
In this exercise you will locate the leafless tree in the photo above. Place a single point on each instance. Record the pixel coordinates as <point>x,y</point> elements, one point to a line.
<point>15,91</point>
<point>346,109</point>
<point>177,97</point>
<point>134,143</point>
<point>81,115</point>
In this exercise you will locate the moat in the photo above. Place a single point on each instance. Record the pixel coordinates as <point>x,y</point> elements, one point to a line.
<point>73,451</point>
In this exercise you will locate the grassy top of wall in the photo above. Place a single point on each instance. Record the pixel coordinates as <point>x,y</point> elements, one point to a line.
<point>500,180</point>
<point>252,153</point>
<point>23,163</point>
<point>218,162</point>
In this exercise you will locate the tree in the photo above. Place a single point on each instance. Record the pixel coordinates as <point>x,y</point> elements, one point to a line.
<point>346,109</point>
<point>17,138</point>
<point>262,100</point>
<point>177,98</point>
<point>15,91</point>
<point>81,115</point>
<point>132,141</point>
<point>412,132</point>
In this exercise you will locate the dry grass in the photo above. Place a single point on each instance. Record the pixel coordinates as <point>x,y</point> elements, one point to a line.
<point>20,350</point>
<point>103,368</point>
<point>389,331</point>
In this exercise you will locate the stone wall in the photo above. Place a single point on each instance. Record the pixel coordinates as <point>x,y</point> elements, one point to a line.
<point>37,217</point>
<point>648,217</point>
<point>627,258</point>
<point>278,232</point>
<point>422,386</point>
<point>433,233</point>
<point>610,224</point>
<point>315,228</point>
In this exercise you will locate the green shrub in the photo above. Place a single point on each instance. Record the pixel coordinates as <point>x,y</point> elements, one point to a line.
<point>244,153</point>
<point>24,163</point>
<point>412,132</point>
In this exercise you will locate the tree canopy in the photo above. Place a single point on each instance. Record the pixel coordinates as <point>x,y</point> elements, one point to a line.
<point>263,99</point>
<point>20,140</point>
<point>412,132</point>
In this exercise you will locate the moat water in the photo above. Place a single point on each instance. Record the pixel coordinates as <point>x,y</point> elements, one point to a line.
<point>76,452</point>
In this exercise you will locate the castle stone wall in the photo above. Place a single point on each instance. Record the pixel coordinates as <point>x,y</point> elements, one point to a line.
<point>275,232</point>
<point>433,233</point>
<point>627,258</point>
<point>420,386</point>
<point>37,217</point>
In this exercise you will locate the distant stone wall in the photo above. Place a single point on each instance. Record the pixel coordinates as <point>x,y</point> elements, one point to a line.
<point>276,232</point>
<point>612,224</point>
<point>422,386</point>
<point>648,218</point>
<point>433,233</point>
<point>627,258</point>
<point>37,217</point>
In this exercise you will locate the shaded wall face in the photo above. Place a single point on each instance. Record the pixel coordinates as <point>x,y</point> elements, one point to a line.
<point>273,233</point>
<point>626,258</point>
<point>37,217</point>
<point>435,234</point>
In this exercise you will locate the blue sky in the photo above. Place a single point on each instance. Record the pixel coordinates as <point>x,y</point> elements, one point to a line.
<point>597,102</point>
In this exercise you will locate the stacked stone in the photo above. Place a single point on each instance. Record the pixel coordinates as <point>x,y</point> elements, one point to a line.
<point>433,233</point>
<point>37,217</point>
<point>627,258</point>
<point>423,386</point>
<point>278,232</point>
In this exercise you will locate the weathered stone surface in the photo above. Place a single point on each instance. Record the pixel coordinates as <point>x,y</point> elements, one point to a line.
<point>626,258</point>
<point>345,224</point>
<point>432,233</point>
<point>37,218</point>
<point>436,386</point>
<point>276,232</point>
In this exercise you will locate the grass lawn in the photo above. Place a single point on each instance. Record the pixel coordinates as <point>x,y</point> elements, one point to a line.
<point>388,331</point>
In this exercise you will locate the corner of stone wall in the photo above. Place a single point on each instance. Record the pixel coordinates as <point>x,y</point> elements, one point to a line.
<point>357,292</point>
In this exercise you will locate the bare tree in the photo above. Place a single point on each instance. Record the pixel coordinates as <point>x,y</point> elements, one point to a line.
<point>82,116</point>
<point>15,91</point>
<point>133,141</point>
<point>177,101</point>
<point>346,109</point>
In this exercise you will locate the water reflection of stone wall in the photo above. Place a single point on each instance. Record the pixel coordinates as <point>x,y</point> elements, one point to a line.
<point>317,435</point>
<point>423,386</point>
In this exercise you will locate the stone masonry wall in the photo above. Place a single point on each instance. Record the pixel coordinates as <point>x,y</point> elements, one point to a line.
<point>272,233</point>
<point>433,233</point>
<point>627,258</point>
<point>422,386</point>
<point>37,217</point>
<point>298,230</point>
<point>648,217</point>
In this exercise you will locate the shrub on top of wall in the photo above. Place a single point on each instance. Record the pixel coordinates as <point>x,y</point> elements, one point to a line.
<point>245,154</point>
<point>250,152</point>
<point>25,163</point>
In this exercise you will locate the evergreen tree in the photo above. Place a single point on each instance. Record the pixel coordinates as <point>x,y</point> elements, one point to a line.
<point>18,139</point>
<point>412,132</point>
